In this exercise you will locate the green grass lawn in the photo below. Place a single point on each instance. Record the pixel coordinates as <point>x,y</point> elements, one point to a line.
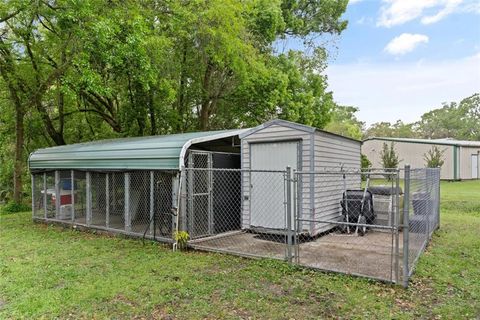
<point>50,272</point>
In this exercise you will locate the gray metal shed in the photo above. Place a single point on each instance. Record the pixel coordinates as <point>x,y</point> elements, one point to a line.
<point>277,144</point>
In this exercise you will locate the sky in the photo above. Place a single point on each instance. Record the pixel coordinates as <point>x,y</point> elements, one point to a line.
<point>398,59</point>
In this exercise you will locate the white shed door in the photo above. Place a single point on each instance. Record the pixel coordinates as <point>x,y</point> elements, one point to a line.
<point>267,190</point>
<point>474,166</point>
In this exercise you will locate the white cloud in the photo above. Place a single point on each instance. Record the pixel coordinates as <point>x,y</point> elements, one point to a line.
<point>450,7</point>
<point>354,1</point>
<point>405,43</point>
<point>388,92</point>
<point>396,12</point>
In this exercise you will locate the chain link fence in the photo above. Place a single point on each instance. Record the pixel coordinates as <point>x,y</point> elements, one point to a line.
<point>422,214</point>
<point>336,219</point>
<point>372,223</point>
<point>137,203</point>
<point>351,224</point>
<point>237,211</point>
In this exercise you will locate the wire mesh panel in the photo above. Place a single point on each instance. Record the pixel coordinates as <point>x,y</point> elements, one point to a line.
<point>339,230</point>
<point>80,197</point>
<point>64,190</point>
<point>140,201</point>
<point>51,200</point>
<point>247,214</point>
<point>38,201</point>
<point>163,202</point>
<point>116,200</point>
<point>99,199</point>
<point>423,211</point>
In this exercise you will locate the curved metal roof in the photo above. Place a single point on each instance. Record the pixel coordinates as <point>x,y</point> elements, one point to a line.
<point>165,152</point>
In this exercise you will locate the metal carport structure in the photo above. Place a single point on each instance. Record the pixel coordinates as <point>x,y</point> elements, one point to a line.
<point>129,185</point>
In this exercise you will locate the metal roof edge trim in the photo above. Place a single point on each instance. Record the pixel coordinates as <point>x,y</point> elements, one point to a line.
<point>339,135</point>
<point>281,122</point>
<point>425,141</point>
<point>292,125</point>
<point>187,144</point>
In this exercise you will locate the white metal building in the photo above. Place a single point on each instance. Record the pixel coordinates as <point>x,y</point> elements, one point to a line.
<point>462,158</point>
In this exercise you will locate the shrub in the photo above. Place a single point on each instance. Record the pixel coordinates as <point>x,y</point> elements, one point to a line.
<point>366,164</point>
<point>181,237</point>
<point>13,207</point>
<point>434,157</point>
<point>390,160</point>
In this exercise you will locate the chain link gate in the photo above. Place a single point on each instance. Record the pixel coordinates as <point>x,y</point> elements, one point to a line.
<point>199,200</point>
<point>338,229</point>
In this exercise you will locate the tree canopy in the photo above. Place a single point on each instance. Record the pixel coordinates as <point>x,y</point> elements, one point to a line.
<point>452,120</point>
<point>73,71</point>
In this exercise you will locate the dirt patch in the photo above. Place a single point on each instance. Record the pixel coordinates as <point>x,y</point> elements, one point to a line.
<point>161,313</point>
<point>124,300</point>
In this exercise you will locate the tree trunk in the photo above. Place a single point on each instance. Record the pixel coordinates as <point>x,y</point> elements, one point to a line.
<point>151,108</point>
<point>204,115</point>
<point>205,107</point>
<point>18,165</point>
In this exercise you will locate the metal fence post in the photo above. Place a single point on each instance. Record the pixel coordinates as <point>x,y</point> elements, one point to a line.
<point>107,200</point>
<point>289,213</point>
<point>406,225</point>
<point>45,195</point>
<point>33,195</point>
<point>128,217</point>
<point>296,222</point>
<point>72,194</point>
<point>396,224</point>
<point>182,210</point>
<point>89,198</point>
<point>437,180</point>
<point>428,183</point>
<point>210,193</point>
<point>57,194</point>
<point>152,190</point>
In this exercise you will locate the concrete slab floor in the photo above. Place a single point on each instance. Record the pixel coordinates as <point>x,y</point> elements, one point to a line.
<point>370,255</point>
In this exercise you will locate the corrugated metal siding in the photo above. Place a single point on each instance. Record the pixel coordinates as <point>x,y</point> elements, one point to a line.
<point>332,152</point>
<point>271,134</point>
<point>410,153</point>
<point>466,161</point>
<point>319,197</point>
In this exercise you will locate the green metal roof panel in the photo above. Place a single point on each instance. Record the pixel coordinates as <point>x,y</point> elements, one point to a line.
<point>142,153</point>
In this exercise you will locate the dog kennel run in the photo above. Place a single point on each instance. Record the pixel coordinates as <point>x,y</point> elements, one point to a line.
<point>280,190</point>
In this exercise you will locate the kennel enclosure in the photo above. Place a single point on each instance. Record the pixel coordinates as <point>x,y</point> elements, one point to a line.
<point>129,186</point>
<point>272,191</point>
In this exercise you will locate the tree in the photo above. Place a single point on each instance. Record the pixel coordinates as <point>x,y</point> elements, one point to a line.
<point>434,157</point>
<point>395,130</point>
<point>453,120</point>
<point>344,122</point>
<point>73,71</point>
